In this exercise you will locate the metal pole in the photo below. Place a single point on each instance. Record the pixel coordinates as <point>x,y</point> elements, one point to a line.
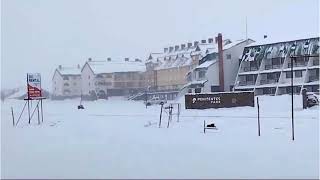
<point>12,116</point>
<point>160,115</point>
<point>41,110</point>
<point>38,113</point>
<point>292,117</point>
<point>258,116</point>
<point>29,111</point>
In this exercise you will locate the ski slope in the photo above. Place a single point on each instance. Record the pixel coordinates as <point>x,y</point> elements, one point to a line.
<point>109,140</point>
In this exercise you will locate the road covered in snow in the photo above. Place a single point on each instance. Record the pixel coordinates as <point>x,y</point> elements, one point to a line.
<point>121,139</point>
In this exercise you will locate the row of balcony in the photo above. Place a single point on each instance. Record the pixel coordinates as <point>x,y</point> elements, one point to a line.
<point>272,81</point>
<point>314,62</point>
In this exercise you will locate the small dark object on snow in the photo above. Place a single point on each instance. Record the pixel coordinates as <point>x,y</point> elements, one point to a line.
<point>211,125</point>
<point>80,106</point>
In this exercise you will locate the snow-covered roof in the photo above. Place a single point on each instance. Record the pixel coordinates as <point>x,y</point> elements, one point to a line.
<point>194,83</point>
<point>270,40</point>
<point>69,70</point>
<point>100,67</point>
<point>206,64</point>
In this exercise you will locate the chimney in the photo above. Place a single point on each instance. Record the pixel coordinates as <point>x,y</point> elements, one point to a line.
<point>210,40</point>
<point>60,66</point>
<point>165,50</point>
<point>221,71</point>
<point>203,41</point>
<point>176,48</point>
<point>265,36</point>
<point>108,59</point>
<point>89,59</point>
<point>196,43</point>
<point>183,46</point>
<point>170,49</point>
<point>189,45</point>
<point>126,59</point>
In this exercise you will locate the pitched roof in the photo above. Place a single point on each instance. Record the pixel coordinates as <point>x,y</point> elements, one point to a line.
<point>100,67</point>
<point>69,70</point>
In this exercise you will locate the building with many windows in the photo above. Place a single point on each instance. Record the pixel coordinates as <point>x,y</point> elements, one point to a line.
<point>101,79</point>
<point>265,68</point>
<point>66,82</point>
<point>166,71</point>
<point>206,77</point>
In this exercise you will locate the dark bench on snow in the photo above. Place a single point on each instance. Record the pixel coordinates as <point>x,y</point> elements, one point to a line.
<point>209,126</point>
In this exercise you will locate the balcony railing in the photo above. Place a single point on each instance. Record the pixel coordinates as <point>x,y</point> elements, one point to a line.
<point>274,66</point>
<point>268,81</point>
<point>252,68</point>
<point>246,83</point>
<point>299,64</point>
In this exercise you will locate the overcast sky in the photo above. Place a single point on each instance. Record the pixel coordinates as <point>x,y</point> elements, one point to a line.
<point>38,35</point>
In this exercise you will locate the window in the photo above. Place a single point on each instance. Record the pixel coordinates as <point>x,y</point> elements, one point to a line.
<point>298,73</point>
<point>197,90</point>
<point>249,78</point>
<point>66,84</point>
<point>202,74</point>
<point>215,88</point>
<point>65,78</point>
<point>288,74</point>
<point>189,90</point>
<point>228,56</point>
<point>88,77</point>
<point>109,76</point>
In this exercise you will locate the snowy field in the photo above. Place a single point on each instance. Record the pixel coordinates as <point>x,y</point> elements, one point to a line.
<point>109,140</point>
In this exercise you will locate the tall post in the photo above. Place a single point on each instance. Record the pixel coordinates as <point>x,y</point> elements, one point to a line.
<point>29,121</point>
<point>221,69</point>
<point>38,113</point>
<point>258,116</point>
<point>160,115</point>
<point>29,111</point>
<point>12,116</point>
<point>292,117</point>
<point>42,98</point>
<point>41,110</point>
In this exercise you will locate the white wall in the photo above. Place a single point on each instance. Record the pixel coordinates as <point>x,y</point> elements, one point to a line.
<point>213,77</point>
<point>231,66</point>
<point>57,84</point>
<point>58,88</point>
<point>87,80</point>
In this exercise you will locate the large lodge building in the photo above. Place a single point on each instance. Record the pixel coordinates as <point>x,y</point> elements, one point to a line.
<point>197,67</point>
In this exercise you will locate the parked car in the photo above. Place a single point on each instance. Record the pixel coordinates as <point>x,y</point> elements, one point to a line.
<point>312,99</point>
<point>155,100</point>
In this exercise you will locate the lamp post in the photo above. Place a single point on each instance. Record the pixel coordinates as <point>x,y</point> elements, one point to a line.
<point>292,115</point>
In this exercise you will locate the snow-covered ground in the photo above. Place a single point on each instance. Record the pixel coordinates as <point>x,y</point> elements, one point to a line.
<point>109,140</point>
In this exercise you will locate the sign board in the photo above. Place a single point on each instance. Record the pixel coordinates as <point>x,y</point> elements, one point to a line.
<point>34,85</point>
<point>219,100</point>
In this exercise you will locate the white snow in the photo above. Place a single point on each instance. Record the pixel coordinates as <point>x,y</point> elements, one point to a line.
<point>99,67</point>
<point>109,139</point>
<point>69,70</point>
<point>206,64</point>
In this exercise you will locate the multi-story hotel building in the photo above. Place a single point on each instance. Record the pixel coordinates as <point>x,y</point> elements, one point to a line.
<point>265,68</point>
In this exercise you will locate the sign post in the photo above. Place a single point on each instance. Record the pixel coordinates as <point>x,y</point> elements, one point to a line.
<point>34,92</point>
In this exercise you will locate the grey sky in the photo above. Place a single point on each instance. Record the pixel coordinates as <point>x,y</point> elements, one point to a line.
<point>38,35</point>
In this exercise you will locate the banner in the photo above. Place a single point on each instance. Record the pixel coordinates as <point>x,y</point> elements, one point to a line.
<point>219,100</point>
<point>34,85</point>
